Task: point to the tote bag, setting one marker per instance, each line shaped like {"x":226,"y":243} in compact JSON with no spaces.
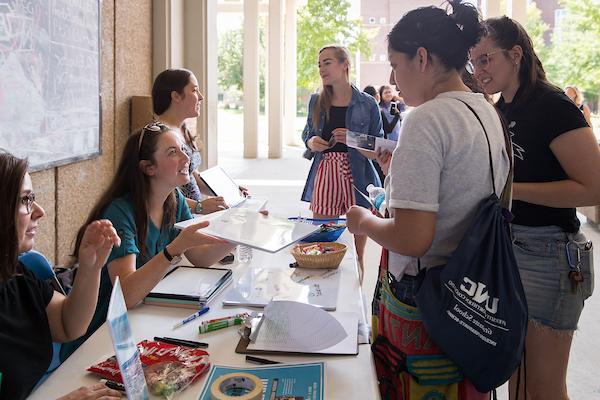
{"x":474,"y":307}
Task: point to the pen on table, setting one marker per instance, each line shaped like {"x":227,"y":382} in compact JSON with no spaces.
{"x":191,"y":317}
{"x":113,"y":385}
{"x":181,"y":342}
{"x":220,"y":323}
{"x":258,"y":360}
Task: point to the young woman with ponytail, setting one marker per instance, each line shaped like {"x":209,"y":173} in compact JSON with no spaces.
{"x":438,"y":175}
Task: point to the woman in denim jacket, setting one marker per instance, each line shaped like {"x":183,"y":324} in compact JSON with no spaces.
{"x":336,"y":168}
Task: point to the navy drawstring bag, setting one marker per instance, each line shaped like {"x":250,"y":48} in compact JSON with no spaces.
{"x":474,"y":307}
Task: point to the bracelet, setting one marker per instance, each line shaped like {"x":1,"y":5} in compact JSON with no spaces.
{"x":198,"y":208}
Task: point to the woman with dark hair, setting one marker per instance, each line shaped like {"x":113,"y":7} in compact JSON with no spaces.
{"x":337,"y":169}
{"x":143,"y":203}
{"x":390,"y":112}
{"x":175,"y":98}
{"x":32,"y":313}
{"x":556,"y":166}
{"x":438,"y":175}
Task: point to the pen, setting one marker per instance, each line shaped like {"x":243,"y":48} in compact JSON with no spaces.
{"x":191,"y":317}
{"x":258,"y":360}
{"x":113,"y":385}
{"x":220,"y":323}
{"x":181,"y":342}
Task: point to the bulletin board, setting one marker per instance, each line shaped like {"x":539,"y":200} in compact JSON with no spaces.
{"x":50,"y":80}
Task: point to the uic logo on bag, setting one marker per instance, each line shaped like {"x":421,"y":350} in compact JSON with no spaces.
{"x":476,"y":291}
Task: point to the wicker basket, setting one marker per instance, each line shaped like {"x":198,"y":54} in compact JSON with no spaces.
{"x":328,"y":260}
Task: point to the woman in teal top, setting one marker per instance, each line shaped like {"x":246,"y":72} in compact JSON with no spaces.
{"x":143,"y":203}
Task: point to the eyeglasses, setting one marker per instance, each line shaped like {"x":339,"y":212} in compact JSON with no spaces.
{"x":28,"y":201}
{"x":481,"y":62}
{"x":153,"y":127}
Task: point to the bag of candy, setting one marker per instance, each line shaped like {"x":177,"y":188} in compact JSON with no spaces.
{"x":168,"y":368}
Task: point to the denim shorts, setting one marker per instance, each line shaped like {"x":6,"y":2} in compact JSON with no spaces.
{"x":544,"y":266}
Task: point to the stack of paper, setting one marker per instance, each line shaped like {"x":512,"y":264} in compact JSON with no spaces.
{"x":189,"y":287}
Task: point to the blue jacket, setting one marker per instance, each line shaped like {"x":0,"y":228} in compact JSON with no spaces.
{"x":363,"y":116}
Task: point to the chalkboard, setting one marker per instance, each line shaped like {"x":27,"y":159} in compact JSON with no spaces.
{"x":50,"y":80}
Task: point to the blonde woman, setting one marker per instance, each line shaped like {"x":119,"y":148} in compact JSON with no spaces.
{"x":576,"y":97}
{"x":336,"y":168}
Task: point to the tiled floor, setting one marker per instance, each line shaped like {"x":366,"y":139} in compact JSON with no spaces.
{"x":282,"y":180}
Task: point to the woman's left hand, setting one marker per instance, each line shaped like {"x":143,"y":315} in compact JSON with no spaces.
{"x":96,"y":244}
{"x":355,"y":216}
{"x":339,"y":134}
{"x":244,"y":191}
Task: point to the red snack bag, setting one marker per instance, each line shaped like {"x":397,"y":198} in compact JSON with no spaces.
{"x":168,"y":368}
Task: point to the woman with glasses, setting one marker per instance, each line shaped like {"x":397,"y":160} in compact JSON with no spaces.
{"x":338,"y":169}
{"x":32,"y":313}
{"x":438,"y":175}
{"x":556,"y":166}
{"x":175,"y":98}
{"x":143,"y":203}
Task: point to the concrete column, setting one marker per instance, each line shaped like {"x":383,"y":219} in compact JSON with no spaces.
{"x":291,"y":136}
{"x":167,"y":35}
{"x":251,"y":78}
{"x":275,"y":105}
{"x":200,"y":56}
{"x":517,"y":10}
{"x":491,"y":8}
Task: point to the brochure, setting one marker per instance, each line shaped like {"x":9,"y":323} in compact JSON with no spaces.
{"x":126,"y":351}
{"x":304,"y":381}
{"x":368,"y":142}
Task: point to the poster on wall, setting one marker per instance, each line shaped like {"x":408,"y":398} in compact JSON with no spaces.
{"x":50,"y":80}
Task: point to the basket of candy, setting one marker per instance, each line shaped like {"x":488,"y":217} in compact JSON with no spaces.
{"x":319,"y":254}
{"x":329,"y":230}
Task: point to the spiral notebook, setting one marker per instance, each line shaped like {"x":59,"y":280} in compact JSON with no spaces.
{"x":189,"y":287}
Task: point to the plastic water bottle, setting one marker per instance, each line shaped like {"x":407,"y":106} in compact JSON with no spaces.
{"x":244,"y":253}
{"x":377,"y":196}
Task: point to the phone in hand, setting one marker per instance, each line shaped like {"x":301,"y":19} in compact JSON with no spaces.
{"x":393,"y":108}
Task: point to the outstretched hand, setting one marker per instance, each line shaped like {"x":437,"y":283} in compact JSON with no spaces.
{"x":94,"y":392}
{"x":96,"y":244}
{"x":355,"y":217}
{"x":192,"y":236}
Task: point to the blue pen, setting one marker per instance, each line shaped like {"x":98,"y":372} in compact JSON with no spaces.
{"x":191,"y":317}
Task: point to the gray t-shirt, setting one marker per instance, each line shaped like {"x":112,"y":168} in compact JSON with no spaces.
{"x":441,"y":165}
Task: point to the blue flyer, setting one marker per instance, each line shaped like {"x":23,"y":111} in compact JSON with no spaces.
{"x":277,"y":382}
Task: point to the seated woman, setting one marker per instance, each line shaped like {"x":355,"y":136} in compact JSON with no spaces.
{"x":175,"y":98}
{"x":143,"y":203}
{"x":32,"y":314}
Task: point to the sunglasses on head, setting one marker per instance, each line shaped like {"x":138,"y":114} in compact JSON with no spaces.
{"x":153,"y":127}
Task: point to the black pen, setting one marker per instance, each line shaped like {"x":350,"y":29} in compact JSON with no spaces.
{"x":258,"y":360}
{"x":181,"y":342}
{"x":113,"y":385}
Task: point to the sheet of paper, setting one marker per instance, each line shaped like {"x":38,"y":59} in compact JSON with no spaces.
{"x":268,"y":233}
{"x":126,"y":350}
{"x":290,"y":326}
{"x":258,"y":286}
{"x":368,"y":142}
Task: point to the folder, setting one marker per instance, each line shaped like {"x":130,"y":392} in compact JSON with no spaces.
{"x":189,"y":287}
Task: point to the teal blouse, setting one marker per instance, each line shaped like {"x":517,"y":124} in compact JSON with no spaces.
{"x":120,"y":213}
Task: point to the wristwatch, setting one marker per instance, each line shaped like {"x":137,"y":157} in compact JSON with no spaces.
{"x":171,"y":259}
{"x":198,"y":208}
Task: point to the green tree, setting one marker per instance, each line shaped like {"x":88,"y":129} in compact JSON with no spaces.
{"x":230,"y":59}
{"x":536,"y":28}
{"x":575,"y":54}
{"x":323,"y":22}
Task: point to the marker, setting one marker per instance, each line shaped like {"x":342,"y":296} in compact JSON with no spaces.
{"x":220,"y":323}
{"x":191,"y":317}
{"x":113,"y":385}
{"x":181,"y":342}
{"x":262,"y":361}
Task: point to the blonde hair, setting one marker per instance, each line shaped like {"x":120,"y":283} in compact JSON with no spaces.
{"x":324,"y":100}
{"x":578,"y":100}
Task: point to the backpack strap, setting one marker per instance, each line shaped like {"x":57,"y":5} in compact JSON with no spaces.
{"x":506,"y":195}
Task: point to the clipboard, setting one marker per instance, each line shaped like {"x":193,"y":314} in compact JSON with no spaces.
{"x":347,"y":347}
{"x":221,"y":184}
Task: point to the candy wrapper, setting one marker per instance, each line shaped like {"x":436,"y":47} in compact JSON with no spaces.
{"x":168,"y":368}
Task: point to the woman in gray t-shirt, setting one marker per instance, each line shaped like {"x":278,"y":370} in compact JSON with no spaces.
{"x":438,"y":175}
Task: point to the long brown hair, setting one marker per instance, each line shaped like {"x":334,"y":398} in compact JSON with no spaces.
{"x":172,"y":80}
{"x":130,"y":180}
{"x":507,"y":33}
{"x":12,"y":173}
{"x":324,"y":100}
